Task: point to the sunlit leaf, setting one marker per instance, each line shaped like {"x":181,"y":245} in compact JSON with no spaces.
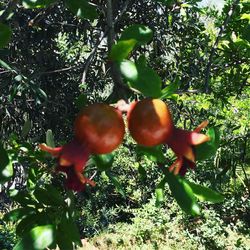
{"x":142,"y":78}
{"x":30,"y":4}
{"x":183,"y":194}
{"x":206,"y":194}
{"x":141,"y":33}
{"x":171,"y":89}
{"x":82,"y":9}
{"x":122,"y":49}
{"x":38,"y":238}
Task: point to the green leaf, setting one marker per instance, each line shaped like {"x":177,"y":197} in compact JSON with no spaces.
{"x":55,"y":194}
{"x":38,"y":238}
{"x":63,"y":240}
{"x":159,"y":192}
{"x":49,"y":196}
{"x":5,"y":35}
{"x":31,"y":221}
{"x":171,"y":89}
{"x":245,"y":16}
{"x":18,"y":214}
{"x":30,"y":4}
{"x":142,"y":60}
{"x":41,"y":93}
{"x":142,"y":172}
{"x":116,"y":183}
{"x":128,"y":70}
{"x":5,"y":65}
{"x":142,"y":78}
{"x":152,"y":153}
{"x":122,"y":49}
{"x":26,"y":128}
{"x":205,"y":194}
{"x":50,"y":138}
{"x":142,"y":34}
{"x":82,"y":9}
{"x":32,"y":178}
{"x":69,"y":228}
{"x":23,"y":197}
{"x":183,"y":194}
{"x":103,"y":162}
{"x":208,"y":149}
{"x":6,"y":168}
{"x":81,"y":101}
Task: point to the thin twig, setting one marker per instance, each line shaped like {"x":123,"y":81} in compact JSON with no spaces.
{"x":108,"y":32}
{"x":56,"y":71}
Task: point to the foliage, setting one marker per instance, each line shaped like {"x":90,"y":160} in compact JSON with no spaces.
{"x":57,"y":56}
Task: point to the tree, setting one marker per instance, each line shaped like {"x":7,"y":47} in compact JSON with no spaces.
{"x":58,"y":56}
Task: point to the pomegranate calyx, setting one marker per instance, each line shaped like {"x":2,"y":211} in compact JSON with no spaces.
{"x":183,"y":142}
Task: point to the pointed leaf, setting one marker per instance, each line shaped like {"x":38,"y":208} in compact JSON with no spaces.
{"x":5,"y":65}
{"x":183,"y":194}
{"x":206,"y":194}
{"x":116,"y":183}
{"x":171,"y":89}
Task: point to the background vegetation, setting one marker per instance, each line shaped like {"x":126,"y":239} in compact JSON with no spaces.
{"x":59,"y":59}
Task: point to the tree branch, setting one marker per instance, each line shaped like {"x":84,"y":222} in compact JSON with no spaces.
{"x":222,"y":29}
{"x":109,"y":32}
